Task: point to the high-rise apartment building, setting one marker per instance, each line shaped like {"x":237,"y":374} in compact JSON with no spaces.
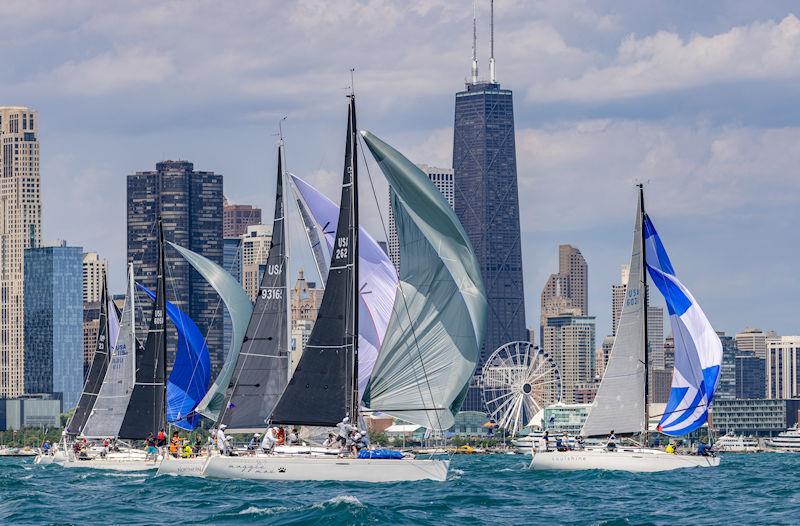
{"x":232,"y":262}
{"x":726,"y":386}
{"x":20,"y":229}
{"x":655,"y":337}
{"x":190,"y":205}
{"x":751,"y":377}
{"x":754,"y":340}
{"x":568,"y":290}
{"x":570,"y":340}
{"x":255,"y":249}
{"x":486,"y":202}
{"x":442,"y":179}
{"x":783,"y":367}
{"x":236,"y":219}
{"x":94,"y":270}
{"x":618,"y":297}
{"x":91,"y":328}
{"x":54,"y":321}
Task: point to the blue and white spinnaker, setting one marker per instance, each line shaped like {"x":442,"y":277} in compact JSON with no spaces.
{"x":698,"y":350}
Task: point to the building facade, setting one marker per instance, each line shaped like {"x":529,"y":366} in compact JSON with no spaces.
{"x":232,"y":262}
{"x":726,"y":386}
{"x":570,"y":340}
{"x":42,"y":411}
{"x":236,"y":218}
{"x":54,"y":322}
{"x":782,"y":367}
{"x":442,"y":179}
{"x":567,"y":291}
{"x":94,"y":270}
{"x":255,"y":249}
{"x":190,"y":205}
{"x":20,"y":229}
{"x":91,"y":328}
{"x":486,"y":202}
{"x":618,"y":297}
{"x":755,"y":417}
{"x":754,"y":340}
{"x":751,"y":379}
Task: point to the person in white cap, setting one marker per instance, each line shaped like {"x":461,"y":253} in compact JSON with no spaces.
{"x":222,"y":441}
{"x":251,"y":446}
{"x":270,"y":439}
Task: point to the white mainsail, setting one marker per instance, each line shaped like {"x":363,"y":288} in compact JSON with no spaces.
{"x":619,"y":404}
{"x":115,"y":393}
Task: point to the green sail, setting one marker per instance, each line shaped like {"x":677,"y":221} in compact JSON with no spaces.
{"x":433,"y":341}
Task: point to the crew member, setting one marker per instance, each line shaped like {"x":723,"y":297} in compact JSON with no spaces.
{"x":223,"y":444}
{"x":612,"y":441}
{"x":270,"y":439}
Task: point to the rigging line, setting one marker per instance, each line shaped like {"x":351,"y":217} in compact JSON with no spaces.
{"x":403,"y":294}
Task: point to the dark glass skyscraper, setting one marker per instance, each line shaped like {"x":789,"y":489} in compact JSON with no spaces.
{"x":487,"y":203}
{"x":190,"y":204}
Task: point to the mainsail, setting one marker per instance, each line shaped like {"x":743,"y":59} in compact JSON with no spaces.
{"x":323,"y":388}
{"x":146,"y":408}
{"x":109,"y":408}
{"x":619,"y":404}
{"x":378,"y":277}
{"x":262,"y":369}
{"x":239,"y":307}
{"x":107,"y":332}
{"x":698,"y":350}
{"x":191,"y":373}
{"x":439,"y":315}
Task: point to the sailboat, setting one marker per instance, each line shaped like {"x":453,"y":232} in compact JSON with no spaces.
{"x":107,"y":333}
{"x":621,"y":403}
{"x":437,"y":320}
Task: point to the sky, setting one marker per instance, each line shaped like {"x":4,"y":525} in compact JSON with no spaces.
{"x":698,"y":100}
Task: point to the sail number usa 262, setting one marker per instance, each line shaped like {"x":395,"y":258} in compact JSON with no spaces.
{"x":341,"y":247}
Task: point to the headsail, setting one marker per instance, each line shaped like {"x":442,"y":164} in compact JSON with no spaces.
{"x":378,"y":277}
{"x":146,"y":408}
{"x":698,"y":350}
{"x":191,"y":373}
{"x":262,"y":369}
{"x":239,"y":308}
{"x":107,"y":332}
{"x":439,"y":316}
{"x":322,"y":388}
{"x":619,"y":404}
{"x":108,"y":411}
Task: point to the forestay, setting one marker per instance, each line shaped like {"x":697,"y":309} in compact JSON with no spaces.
{"x":619,"y":404}
{"x":109,"y":409}
{"x":239,"y":307}
{"x":698,"y":350}
{"x":438,"y":318}
{"x":377,"y":276}
{"x":191,"y":373}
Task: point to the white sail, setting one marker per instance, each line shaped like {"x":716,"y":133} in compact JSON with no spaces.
{"x":619,"y":404}
{"x":112,"y":400}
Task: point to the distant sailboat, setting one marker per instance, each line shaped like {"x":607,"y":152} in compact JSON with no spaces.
{"x":621,"y":402}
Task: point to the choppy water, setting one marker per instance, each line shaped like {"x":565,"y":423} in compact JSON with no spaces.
{"x":745,"y":489}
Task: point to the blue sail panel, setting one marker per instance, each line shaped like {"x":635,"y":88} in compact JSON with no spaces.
{"x":698,"y":350}
{"x":191,"y":373}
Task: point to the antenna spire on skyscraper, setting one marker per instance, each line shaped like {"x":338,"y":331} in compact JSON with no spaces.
{"x":474,"y":42}
{"x":491,"y":42}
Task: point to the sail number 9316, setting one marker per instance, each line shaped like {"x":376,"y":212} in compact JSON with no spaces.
{"x":272,"y":294}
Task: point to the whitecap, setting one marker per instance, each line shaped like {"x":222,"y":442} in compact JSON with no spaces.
{"x":343,"y":499}
{"x":253,"y":510}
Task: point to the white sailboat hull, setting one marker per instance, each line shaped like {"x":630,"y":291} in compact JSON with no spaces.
{"x":45,"y":460}
{"x":280,"y":467}
{"x":637,"y":460}
{"x":183,"y":467}
{"x":133,"y":460}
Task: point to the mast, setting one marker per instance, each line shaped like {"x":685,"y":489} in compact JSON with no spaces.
{"x":491,"y":42}
{"x":644,"y":317}
{"x":474,"y":42}
{"x":161,"y":303}
{"x":285,"y":231}
{"x":354,"y":231}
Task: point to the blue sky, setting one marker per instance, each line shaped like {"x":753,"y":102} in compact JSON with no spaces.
{"x":699,"y":100}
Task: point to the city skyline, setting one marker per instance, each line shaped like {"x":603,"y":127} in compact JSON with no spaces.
{"x":717,"y":180}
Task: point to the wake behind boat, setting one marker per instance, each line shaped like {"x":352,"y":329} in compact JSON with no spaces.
{"x":621,"y":403}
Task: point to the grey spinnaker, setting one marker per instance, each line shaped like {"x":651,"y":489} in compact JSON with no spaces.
{"x":239,"y":307}
{"x":434,"y":337}
{"x":262,"y":369}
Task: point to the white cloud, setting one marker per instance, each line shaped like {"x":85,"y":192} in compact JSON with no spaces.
{"x":665,"y":62}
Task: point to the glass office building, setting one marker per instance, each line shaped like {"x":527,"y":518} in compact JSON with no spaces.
{"x":54,"y":322}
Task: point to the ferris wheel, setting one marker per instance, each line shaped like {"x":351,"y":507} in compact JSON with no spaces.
{"x":519,"y":380}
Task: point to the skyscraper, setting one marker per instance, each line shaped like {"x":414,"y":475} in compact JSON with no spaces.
{"x":567,"y":290}
{"x":487,"y":204}
{"x":754,"y":340}
{"x":54,"y":321}
{"x":236,"y":218}
{"x":94,"y":270}
{"x":783,"y":367}
{"x":442,"y":179}
{"x":20,"y":229}
{"x":255,"y":249}
{"x":618,"y":297}
{"x":570,"y":340}
{"x":190,"y":204}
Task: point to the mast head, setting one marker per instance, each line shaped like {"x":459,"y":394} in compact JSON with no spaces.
{"x":474,"y":42}
{"x":491,"y":42}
